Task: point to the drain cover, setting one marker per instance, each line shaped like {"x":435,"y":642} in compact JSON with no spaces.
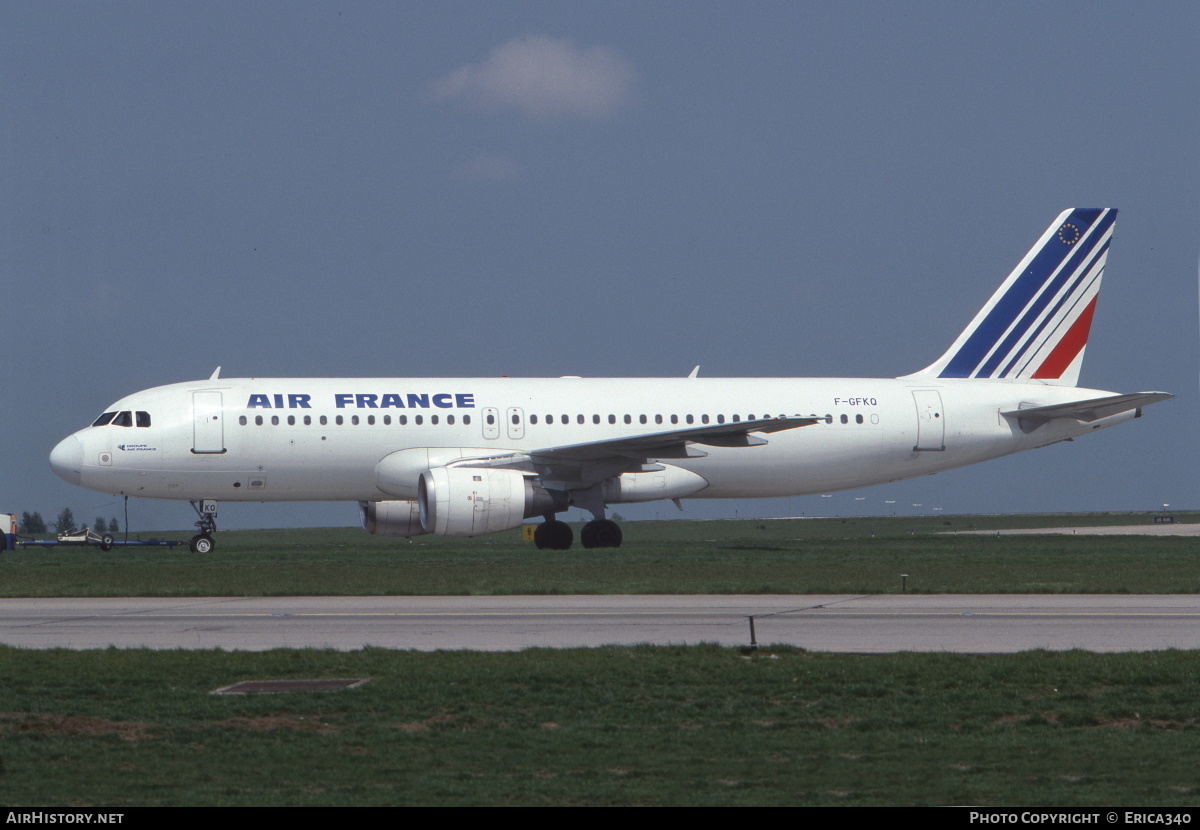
{"x":248,"y":687}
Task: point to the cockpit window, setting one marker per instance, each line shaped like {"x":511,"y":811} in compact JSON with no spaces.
{"x":104,"y":419}
{"x":124,"y":419}
{"x":143,"y":419}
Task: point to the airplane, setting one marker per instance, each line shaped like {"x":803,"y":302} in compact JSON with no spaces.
{"x":475,"y":456}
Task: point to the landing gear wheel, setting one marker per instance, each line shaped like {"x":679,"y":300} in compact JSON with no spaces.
{"x":602,"y":533}
{"x":106,"y":543}
{"x":202,"y":543}
{"x":554,"y":535}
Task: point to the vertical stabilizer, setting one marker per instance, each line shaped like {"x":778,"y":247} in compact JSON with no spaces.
{"x":1035,"y":327}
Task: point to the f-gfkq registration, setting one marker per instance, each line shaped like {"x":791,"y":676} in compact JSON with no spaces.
{"x":464,"y":457}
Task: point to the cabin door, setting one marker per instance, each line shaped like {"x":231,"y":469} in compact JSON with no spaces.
{"x":931,"y":421}
{"x":208,"y":431}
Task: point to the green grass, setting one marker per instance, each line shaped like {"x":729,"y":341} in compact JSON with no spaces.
{"x":865,"y":555}
{"x":610,"y":726}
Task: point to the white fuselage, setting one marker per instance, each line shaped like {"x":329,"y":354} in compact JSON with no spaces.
{"x":324,"y":439}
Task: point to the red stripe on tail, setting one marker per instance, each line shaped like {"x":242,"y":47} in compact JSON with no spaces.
{"x":1069,"y":347}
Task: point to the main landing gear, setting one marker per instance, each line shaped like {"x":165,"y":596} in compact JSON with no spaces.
{"x":553,"y":535}
{"x":601,"y":533}
{"x":598,"y":533}
{"x":203,"y":541}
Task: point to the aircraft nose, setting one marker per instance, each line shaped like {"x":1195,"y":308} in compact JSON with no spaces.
{"x":66,"y":459}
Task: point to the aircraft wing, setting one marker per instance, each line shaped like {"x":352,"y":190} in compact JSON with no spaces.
{"x":629,"y":451}
{"x":674,"y":443}
{"x":1089,"y":410}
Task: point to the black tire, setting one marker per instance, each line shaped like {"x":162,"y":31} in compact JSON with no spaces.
{"x":203,"y":543}
{"x":602,"y":533}
{"x":106,"y":543}
{"x":554,"y":535}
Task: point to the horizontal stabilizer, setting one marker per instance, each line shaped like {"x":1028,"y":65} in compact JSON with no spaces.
{"x":1089,"y":410}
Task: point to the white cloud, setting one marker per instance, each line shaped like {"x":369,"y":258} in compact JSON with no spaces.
{"x":544,"y":77}
{"x":486,"y":167}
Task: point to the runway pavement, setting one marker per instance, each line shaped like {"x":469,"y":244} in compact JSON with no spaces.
{"x":840,"y":623}
{"x":1163,"y":529}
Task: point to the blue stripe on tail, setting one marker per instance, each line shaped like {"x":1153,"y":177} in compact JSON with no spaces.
{"x":1045,"y":273}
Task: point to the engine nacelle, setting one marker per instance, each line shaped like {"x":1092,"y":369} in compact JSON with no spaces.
{"x":670,"y":482}
{"x":399,"y":474}
{"x":470,"y":501}
{"x":391,"y":518}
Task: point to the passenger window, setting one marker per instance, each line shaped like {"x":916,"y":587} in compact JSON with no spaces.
{"x":579,"y":419}
{"x":674,"y":419}
{"x":242,"y":420}
{"x":858,"y":419}
{"x":720,"y":419}
{"x":845,"y":420}
{"x":612,"y":419}
{"x":370,"y":420}
{"x":339,"y":420}
{"x":641,"y":419}
{"x":628,"y":419}
{"x":274,"y":420}
{"x":433,"y":419}
{"x":402,"y":420}
{"x":308,"y":420}
{"x":104,"y":419}
{"x":595,"y":419}
{"x":533,"y":419}
{"x":450,"y":419}
{"x":467,"y":420}
{"x":291,"y":420}
{"x":704,"y":419}
{"x":418,"y":420}
{"x":258,"y":420}
{"x":324,"y":420}
{"x":691,"y":419}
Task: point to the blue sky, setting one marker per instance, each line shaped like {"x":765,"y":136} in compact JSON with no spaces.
{"x":628,"y":189}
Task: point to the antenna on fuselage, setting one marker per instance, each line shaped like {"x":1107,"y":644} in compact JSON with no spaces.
{"x":694,"y":373}
{"x":216,"y":375}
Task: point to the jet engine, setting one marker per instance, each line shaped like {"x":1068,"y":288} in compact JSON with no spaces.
{"x":470,"y":501}
{"x":390,"y":518}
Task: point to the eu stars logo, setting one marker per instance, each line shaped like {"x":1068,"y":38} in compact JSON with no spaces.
{"x":1068,"y":234}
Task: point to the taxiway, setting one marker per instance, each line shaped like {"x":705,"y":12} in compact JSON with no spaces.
{"x":836,"y":623}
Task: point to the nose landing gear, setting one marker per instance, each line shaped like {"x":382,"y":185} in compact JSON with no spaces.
{"x":203,"y":541}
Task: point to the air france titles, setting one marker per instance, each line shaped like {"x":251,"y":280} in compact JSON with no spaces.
{"x":367,"y":400}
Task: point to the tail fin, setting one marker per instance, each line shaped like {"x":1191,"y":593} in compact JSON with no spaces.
{"x":1036,"y":325}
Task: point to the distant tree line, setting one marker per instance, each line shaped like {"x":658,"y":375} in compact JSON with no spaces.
{"x":32,"y":524}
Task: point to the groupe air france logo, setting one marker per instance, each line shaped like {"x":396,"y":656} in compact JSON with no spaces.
{"x":1068,"y":234}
